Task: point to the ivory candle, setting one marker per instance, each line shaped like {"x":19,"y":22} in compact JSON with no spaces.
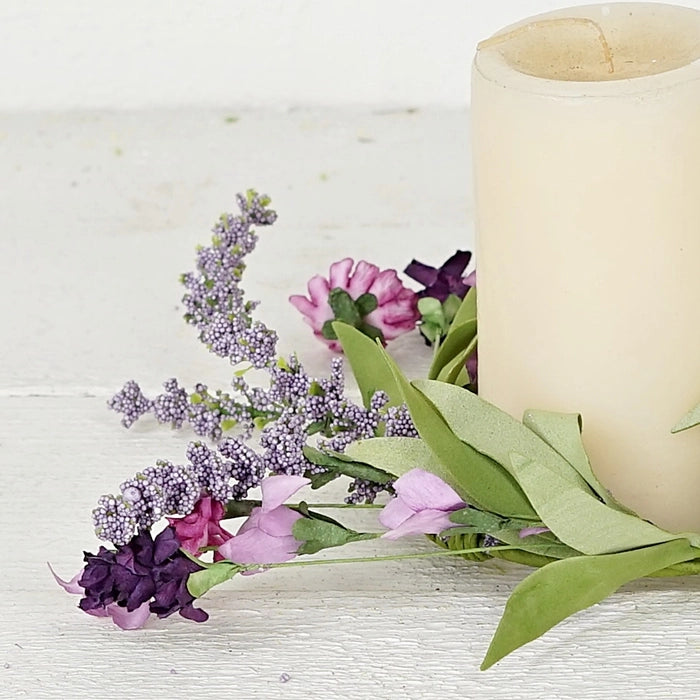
{"x":586,"y":132}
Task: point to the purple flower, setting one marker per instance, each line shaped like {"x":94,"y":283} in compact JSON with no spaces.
{"x":142,"y":577}
{"x":374,"y":301}
{"x":202,"y":527}
{"x":266,"y":536}
{"x":448,"y":279}
{"x":422,"y":505}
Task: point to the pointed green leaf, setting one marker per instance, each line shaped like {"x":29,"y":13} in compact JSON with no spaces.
{"x":492,"y":432}
{"x":456,"y":367}
{"x":367,"y":362}
{"x":347,"y":467}
{"x":560,"y":589}
{"x":578,"y":518}
{"x":563,"y":432}
{"x":476,"y":477}
{"x":200,"y":582}
{"x":485,"y":522}
{"x":467,"y":309}
{"x":397,"y":455}
{"x":689,"y":420}
{"x":321,"y":534}
{"x":456,"y":342}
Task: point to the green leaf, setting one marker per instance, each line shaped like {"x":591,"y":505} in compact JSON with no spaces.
{"x":367,"y":362}
{"x":396,"y":455}
{"x":578,"y":518}
{"x":366,"y":303}
{"x":320,"y":479}
{"x":467,"y":309}
{"x":563,"y":432}
{"x":200,"y":582}
{"x":321,"y":534}
{"x":458,"y":339}
{"x":347,"y":467}
{"x":455,"y":369}
{"x":431,"y":311}
{"x":343,"y":306}
{"x":327,"y":330}
{"x":560,"y":589}
{"x":546,"y":544}
{"x":476,"y":477}
{"x":483,"y":522}
{"x":451,"y":306}
{"x":492,"y":432}
{"x":689,"y":420}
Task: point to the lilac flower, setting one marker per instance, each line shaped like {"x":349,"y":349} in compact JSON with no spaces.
{"x":142,"y":577}
{"x":448,"y":279}
{"x":373,"y":301}
{"x":215,"y":303}
{"x":266,"y":536}
{"x":422,"y":505}
{"x":131,"y":402}
{"x":202,"y":527}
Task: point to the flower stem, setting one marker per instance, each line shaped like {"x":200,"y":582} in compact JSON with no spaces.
{"x":391,"y":557}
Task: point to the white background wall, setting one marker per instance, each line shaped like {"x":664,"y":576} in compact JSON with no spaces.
{"x":62,"y":54}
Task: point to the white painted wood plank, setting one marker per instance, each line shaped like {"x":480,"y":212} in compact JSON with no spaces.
{"x":88,"y":275}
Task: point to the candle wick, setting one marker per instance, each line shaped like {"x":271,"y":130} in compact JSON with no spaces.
{"x":501,"y":38}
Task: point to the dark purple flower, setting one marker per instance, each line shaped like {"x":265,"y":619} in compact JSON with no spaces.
{"x":448,"y":279}
{"x":143,"y":571}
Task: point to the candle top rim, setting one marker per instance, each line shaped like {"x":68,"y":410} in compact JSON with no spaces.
{"x":608,"y":49}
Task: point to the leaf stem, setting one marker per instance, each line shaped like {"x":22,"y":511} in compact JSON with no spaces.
{"x":391,"y":557}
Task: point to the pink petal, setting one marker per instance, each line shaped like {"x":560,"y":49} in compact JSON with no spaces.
{"x":277,"y":489}
{"x":257,"y":547}
{"x":527,"y":531}
{"x":71,"y":586}
{"x":422,"y":490}
{"x":470,"y":279}
{"x":318,"y":290}
{"x":253,"y":521}
{"x":386,"y":286}
{"x":426,"y":522}
{"x":394,"y":513}
{"x":279,"y":522}
{"x":362,"y":279}
{"x":339,"y":273}
{"x":128,"y":620}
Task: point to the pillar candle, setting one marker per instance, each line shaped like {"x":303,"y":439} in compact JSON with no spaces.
{"x":586,"y":141}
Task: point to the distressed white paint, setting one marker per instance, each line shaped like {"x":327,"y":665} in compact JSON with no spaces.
{"x":90,"y":248}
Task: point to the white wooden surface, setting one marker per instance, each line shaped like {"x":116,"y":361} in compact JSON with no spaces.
{"x":99,"y":214}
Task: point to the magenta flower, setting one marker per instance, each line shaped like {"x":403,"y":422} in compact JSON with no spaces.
{"x":201,"y":528}
{"x":373,"y":301}
{"x":422,"y":505}
{"x":266,"y":536}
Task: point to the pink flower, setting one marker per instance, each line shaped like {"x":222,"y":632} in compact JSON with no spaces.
{"x":382,"y":306}
{"x":201,"y":528}
{"x":422,"y":505}
{"x":120,"y":615}
{"x":266,"y":536}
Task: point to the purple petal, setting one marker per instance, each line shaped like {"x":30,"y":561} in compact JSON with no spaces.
{"x":425,"y":274}
{"x":128,"y":620}
{"x":277,"y":489}
{"x":394,"y":513}
{"x":470,"y":279}
{"x":257,"y":547}
{"x":422,"y":490}
{"x":455,"y":265}
{"x":427,"y":522}
{"x":527,"y":531}
{"x":71,"y":586}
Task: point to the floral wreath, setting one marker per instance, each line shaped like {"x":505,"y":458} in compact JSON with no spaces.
{"x":444,"y":462}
